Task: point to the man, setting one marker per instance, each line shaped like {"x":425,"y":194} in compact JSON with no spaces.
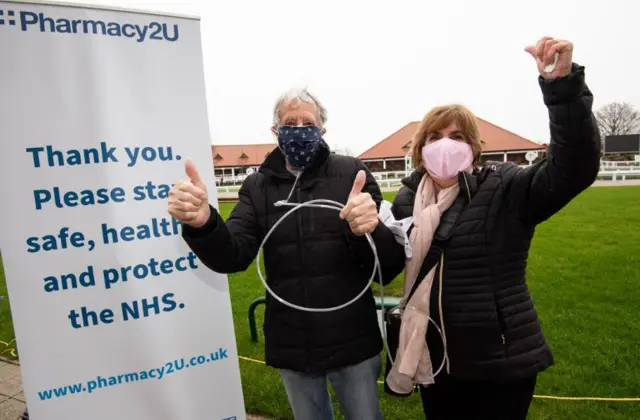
{"x":315,"y":258}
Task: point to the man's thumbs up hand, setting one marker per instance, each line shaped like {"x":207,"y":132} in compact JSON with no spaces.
{"x":193,"y":174}
{"x":188,"y":200}
{"x":358,"y":184}
{"x":361,"y":211}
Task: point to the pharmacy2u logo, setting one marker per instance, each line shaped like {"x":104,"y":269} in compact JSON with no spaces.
{"x":9,"y":18}
{"x":29,"y":21}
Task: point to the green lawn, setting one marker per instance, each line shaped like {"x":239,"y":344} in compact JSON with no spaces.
{"x":585,"y":279}
{"x":7,"y":346}
{"x":584,"y":276}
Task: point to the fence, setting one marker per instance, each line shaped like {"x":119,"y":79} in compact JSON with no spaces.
{"x":609,"y":171}
{"x":392,"y":184}
{"x":619,"y":175}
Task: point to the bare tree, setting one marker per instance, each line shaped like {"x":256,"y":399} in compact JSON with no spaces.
{"x":618,"y":118}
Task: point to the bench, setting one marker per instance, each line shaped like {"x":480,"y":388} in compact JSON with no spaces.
{"x":389,"y":303}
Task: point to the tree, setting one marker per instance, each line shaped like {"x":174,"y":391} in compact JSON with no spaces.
{"x":618,"y":118}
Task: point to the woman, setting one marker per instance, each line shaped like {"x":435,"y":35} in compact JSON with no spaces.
{"x":471,"y":237}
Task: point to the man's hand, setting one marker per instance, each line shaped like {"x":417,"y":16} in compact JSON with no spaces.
{"x":188,"y":200}
{"x":361,"y":211}
{"x":544,"y":53}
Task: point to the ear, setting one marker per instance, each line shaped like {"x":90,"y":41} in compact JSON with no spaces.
{"x":323,"y":131}
{"x":274,"y":131}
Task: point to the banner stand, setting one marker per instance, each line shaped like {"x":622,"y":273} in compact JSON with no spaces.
{"x":115,"y":317}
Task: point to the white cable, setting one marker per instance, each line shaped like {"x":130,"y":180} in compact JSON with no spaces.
{"x":335,"y":205}
{"x":326,"y":204}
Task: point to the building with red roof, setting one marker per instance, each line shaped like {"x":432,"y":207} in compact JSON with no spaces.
{"x":392,"y":153}
{"x":233,"y":160}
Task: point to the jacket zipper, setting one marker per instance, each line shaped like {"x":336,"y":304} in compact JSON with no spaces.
{"x":440,"y":291}
{"x":302,"y":264}
{"x":468,"y":188}
{"x":502,"y":337}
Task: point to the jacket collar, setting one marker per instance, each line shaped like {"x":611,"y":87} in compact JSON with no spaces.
{"x":413,"y":180}
{"x":275,"y":164}
{"x":468,"y":187}
{"x":468,"y":182}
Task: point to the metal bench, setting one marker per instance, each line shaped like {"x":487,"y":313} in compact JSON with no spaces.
{"x":389,"y":303}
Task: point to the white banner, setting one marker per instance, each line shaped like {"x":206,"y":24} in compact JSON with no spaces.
{"x":115,"y":318}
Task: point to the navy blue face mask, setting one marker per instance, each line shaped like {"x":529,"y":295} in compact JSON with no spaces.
{"x":300,"y":145}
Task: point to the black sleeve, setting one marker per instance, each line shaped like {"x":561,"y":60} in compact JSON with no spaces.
{"x":390,"y":252}
{"x":231,"y":246}
{"x":573,"y":159}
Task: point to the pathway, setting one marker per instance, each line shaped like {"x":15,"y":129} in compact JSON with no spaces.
{"x":12,"y":401}
{"x":11,"y":396}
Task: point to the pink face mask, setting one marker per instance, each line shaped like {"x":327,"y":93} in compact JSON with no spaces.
{"x":444,"y":158}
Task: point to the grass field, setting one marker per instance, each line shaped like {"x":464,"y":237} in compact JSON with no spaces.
{"x":584,"y":273}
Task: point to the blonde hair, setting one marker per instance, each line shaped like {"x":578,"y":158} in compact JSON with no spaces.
{"x":440,"y":118}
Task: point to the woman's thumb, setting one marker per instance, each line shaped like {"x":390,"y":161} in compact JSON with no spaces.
{"x":531,"y":49}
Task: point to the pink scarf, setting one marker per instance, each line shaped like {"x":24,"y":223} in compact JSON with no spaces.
{"x":413,"y":363}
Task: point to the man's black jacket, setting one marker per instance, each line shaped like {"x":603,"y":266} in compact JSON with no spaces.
{"x":312,"y":259}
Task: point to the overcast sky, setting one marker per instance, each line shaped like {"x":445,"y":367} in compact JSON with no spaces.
{"x":378,"y":65}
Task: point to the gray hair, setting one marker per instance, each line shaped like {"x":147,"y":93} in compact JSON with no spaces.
{"x":302,"y":95}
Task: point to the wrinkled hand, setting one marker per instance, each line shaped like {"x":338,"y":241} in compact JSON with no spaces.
{"x":544,"y":53}
{"x":361,"y":211}
{"x":188,"y":200}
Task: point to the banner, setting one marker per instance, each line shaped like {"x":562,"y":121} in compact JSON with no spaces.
{"x":115,"y":318}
